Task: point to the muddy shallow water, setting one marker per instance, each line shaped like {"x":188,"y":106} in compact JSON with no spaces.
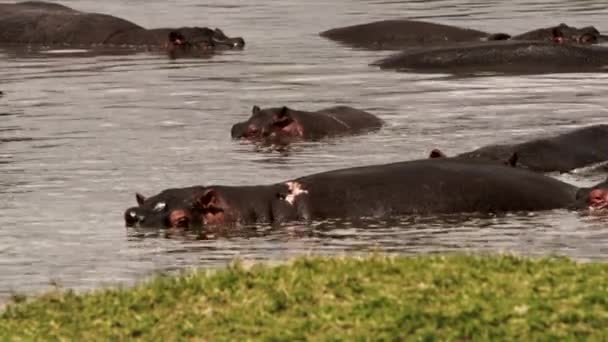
{"x":80,"y":134}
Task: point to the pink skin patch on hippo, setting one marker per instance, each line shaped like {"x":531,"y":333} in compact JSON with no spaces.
{"x":214,"y":218}
{"x":292,"y":129}
{"x":294,"y":189}
{"x":180,"y":218}
{"x":598,"y":200}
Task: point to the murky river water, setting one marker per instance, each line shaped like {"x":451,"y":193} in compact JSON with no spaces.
{"x":79,"y":135}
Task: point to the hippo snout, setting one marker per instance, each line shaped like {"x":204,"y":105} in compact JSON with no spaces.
{"x":231,"y":43}
{"x":133,"y":217}
{"x":238,"y":130}
{"x":238,"y":43}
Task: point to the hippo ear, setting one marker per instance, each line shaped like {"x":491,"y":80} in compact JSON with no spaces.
{"x":588,"y":38}
{"x":512,"y":161}
{"x":140,"y":198}
{"x":282,"y":118}
{"x":436,"y":153}
{"x":208,"y":199}
{"x":255,"y":110}
{"x":557,"y":32}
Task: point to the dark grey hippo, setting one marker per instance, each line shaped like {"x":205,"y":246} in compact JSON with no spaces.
{"x":562,"y":153}
{"x":511,"y":56}
{"x":165,"y":209}
{"x":50,"y":24}
{"x":400,"y":34}
{"x":561,"y":33}
{"x":284,"y":124}
{"x":419,"y":187}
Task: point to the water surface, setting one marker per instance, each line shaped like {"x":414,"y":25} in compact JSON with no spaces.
{"x":80,"y":134}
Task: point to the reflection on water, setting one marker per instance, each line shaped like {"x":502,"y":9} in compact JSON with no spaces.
{"x":79,"y":134}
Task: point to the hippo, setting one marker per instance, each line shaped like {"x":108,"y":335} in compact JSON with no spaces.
{"x":560,"y":34}
{"x":511,"y":56}
{"x":561,"y":153}
{"x":284,"y":124}
{"x":50,"y":24}
{"x":164,"y":209}
{"x":418,"y":187}
{"x":399,"y":34}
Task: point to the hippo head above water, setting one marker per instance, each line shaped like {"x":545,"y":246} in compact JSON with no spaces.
{"x":598,"y":201}
{"x":559,"y":34}
{"x":268,"y":123}
{"x":170,"y":208}
{"x":196,"y":38}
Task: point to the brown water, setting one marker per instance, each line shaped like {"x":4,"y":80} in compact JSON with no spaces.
{"x":79,"y":135}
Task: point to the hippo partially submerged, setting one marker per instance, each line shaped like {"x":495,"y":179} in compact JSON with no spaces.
{"x":561,"y":153}
{"x":284,"y":124}
{"x":399,"y":34}
{"x":50,"y":24}
{"x":521,"y":57}
{"x":419,"y":187}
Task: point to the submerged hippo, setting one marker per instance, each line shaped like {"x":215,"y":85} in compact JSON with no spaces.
{"x":500,"y":56}
{"x":165,"y":209}
{"x":400,"y":34}
{"x":564,"y":152}
{"x":419,"y":187}
{"x":49,"y":24}
{"x":283,"y":124}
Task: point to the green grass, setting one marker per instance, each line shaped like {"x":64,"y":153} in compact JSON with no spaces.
{"x":371,"y":298}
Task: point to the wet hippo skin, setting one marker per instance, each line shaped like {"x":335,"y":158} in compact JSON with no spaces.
{"x":44,"y":23}
{"x":420,"y":187}
{"x":521,"y":57}
{"x":160,"y":210}
{"x":399,"y":34}
{"x":564,"y":152}
{"x":284,"y":124}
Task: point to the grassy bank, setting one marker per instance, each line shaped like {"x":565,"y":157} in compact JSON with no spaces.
{"x":456,"y":297}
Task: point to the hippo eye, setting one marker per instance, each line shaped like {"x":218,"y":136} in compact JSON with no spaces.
{"x":132,"y":214}
{"x":159,"y":206}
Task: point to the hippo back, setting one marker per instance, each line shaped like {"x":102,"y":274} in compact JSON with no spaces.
{"x":400,"y":33}
{"x":432,"y":186}
{"x":50,"y":24}
{"x":500,"y":56}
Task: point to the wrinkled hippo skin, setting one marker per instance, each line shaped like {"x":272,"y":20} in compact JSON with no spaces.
{"x":400,"y":34}
{"x":283,"y":124}
{"x":420,"y":187}
{"x":42,"y":23}
{"x":562,"y":153}
{"x":164,"y":209}
{"x":519,"y":57}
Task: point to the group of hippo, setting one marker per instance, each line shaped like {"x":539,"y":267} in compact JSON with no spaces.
{"x":430,"y":47}
{"x":426,"y":47}
{"x":492,"y":179}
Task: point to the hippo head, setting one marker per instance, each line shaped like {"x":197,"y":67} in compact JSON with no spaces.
{"x":271,"y":123}
{"x":568,"y":34}
{"x":219,"y":39}
{"x":196,"y":39}
{"x":169,"y":209}
{"x":598,"y":200}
